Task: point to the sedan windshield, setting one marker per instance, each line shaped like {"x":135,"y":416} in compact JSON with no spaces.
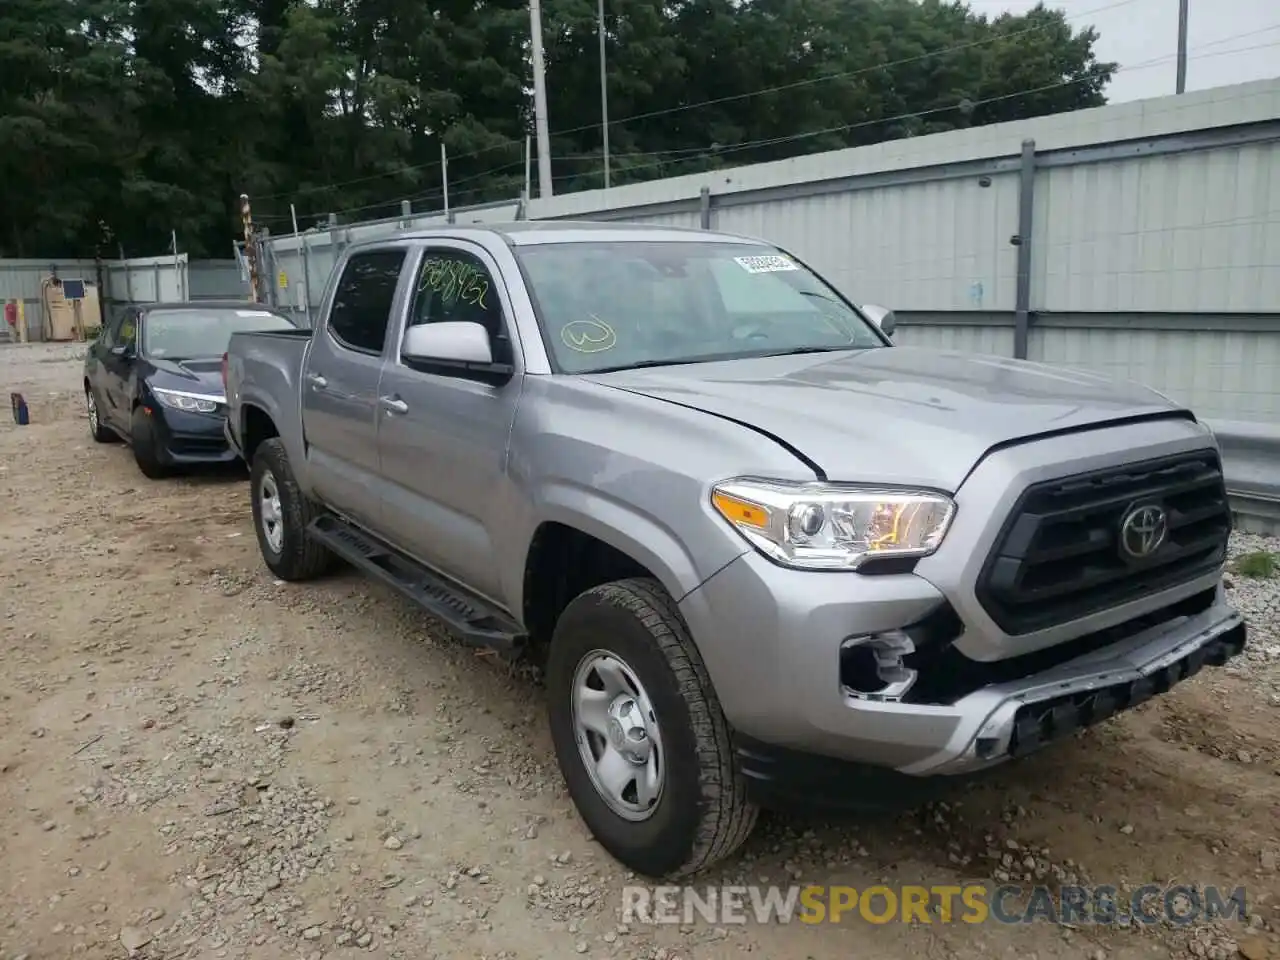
{"x":194,"y":333}
{"x":617,"y":305}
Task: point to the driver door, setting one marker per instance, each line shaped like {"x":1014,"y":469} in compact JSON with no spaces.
{"x":442,"y":433}
{"x":118,"y":361}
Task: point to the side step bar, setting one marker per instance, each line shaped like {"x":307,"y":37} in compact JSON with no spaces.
{"x":476,"y":621}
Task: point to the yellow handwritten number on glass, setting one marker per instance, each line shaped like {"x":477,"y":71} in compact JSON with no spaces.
{"x":588,"y":336}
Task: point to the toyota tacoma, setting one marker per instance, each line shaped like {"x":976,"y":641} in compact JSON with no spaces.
{"x":762,"y":555}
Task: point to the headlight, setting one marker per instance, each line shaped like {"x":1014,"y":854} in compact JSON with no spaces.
{"x":188,"y":402}
{"x":819,"y":526}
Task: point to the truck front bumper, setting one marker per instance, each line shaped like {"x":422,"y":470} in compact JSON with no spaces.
{"x":772,"y":641}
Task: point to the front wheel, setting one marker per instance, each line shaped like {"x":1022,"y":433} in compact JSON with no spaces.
{"x":639,"y":734}
{"x":281,"y":515}
{"x":145,"y":445}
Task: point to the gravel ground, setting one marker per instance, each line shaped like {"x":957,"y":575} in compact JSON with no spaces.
{"x":199,"y":761}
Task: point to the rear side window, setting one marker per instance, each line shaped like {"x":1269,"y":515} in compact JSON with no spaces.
{"x":362,"y":302}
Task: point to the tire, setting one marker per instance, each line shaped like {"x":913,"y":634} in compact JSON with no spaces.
{"x":143,"y":435}
{"x":292,"y":554}
{"x":702,"y":813}
{"x":100,"y":433}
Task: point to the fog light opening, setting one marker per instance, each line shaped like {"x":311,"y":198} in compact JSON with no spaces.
{"x":872,"y":668}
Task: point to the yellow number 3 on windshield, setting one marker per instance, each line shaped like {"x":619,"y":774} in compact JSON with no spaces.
{"x":588,"y":336}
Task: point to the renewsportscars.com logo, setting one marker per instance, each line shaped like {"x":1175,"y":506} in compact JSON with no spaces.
{"x":968,"y":903}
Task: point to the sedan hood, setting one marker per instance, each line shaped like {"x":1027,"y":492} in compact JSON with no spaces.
{"x":193,"y":376}
{"x":898,"y":415}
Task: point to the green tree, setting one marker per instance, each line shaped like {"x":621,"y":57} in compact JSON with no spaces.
{"x":154,"y":115}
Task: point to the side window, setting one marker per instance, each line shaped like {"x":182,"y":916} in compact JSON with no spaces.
{"x":362,"y":302}
{"x":110,"y":335}
{"x":128,"y":335}
{"x":453,"y":285}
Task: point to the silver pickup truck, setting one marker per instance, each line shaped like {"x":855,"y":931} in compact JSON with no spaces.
{"x":763,"y":556}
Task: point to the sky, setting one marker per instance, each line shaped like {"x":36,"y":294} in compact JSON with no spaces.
{"x":1228,"y":41}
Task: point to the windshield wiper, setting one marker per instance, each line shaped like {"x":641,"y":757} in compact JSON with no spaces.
{"x":796,"y":351}
{"x":644,"y":364}
{"x":821,"y":296}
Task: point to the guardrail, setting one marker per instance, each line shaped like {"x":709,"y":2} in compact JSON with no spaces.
{"x":1251,"y":460}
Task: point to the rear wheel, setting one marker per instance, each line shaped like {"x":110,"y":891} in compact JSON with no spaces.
{"x":146,"y":446}
{"x":281,"y":515}
{"x":97,"y":430}
{"x":639,"y":733}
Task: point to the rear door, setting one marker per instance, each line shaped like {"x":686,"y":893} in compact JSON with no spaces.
{"x":340,"y":382}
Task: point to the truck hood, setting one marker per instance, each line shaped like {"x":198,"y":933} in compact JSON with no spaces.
{"x":898,"y":415}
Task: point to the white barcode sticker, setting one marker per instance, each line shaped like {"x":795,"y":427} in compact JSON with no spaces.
{"x":767,"y":264}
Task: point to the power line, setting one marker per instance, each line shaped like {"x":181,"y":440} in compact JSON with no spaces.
{"x":693,"y":152}
{"x":762,"y":91}
{"x":917,"y":114}
{"x":846,"y":74}
{"x":1143,"y":65}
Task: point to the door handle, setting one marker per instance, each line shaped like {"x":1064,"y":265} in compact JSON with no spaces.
{"x":317,"y":381}
{"x":393,"y":405}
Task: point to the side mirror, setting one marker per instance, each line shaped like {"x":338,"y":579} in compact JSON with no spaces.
{"x":882,"y":317}
{"x":454,"y":341}
{"x":122,"y":350}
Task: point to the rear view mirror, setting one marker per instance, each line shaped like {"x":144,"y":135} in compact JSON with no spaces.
{"x":452,"y":341}
{"x":882,"y":317}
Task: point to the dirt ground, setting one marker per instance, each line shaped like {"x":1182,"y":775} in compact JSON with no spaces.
{"x":199,"y":761}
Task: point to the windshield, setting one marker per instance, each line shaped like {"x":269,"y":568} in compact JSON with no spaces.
{"x":192,"y":333}
{"x":606,"y":306}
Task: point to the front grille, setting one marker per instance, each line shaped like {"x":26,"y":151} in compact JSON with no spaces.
{"x":1059,"y":556}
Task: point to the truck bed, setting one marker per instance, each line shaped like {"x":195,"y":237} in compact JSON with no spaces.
{"x":264,"y":368}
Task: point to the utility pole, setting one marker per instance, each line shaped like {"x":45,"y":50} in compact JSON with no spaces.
{"x":1182,"y":45}
{"x":604,"y":95}
{"x":540,"y":100}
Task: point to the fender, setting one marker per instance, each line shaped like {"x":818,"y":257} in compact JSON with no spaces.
{"x":641,"y":536}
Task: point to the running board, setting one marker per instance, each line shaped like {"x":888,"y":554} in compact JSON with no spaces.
{"x":476,"y":621}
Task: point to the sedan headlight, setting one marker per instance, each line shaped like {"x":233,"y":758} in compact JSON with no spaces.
{"x":187,"y":402}
{"x":819,"y":526}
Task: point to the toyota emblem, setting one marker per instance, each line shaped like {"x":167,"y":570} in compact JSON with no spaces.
{"x":1143,"y":530}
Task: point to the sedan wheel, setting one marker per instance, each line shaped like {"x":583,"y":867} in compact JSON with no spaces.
{"x":99,"y":433}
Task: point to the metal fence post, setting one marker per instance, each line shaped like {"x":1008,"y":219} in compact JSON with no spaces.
{"x":306,"y":278}
{"x":128,"y":277}
{"x":270,"y":270}
{"x":1022,"y":240}
{"x":335,"y":244}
